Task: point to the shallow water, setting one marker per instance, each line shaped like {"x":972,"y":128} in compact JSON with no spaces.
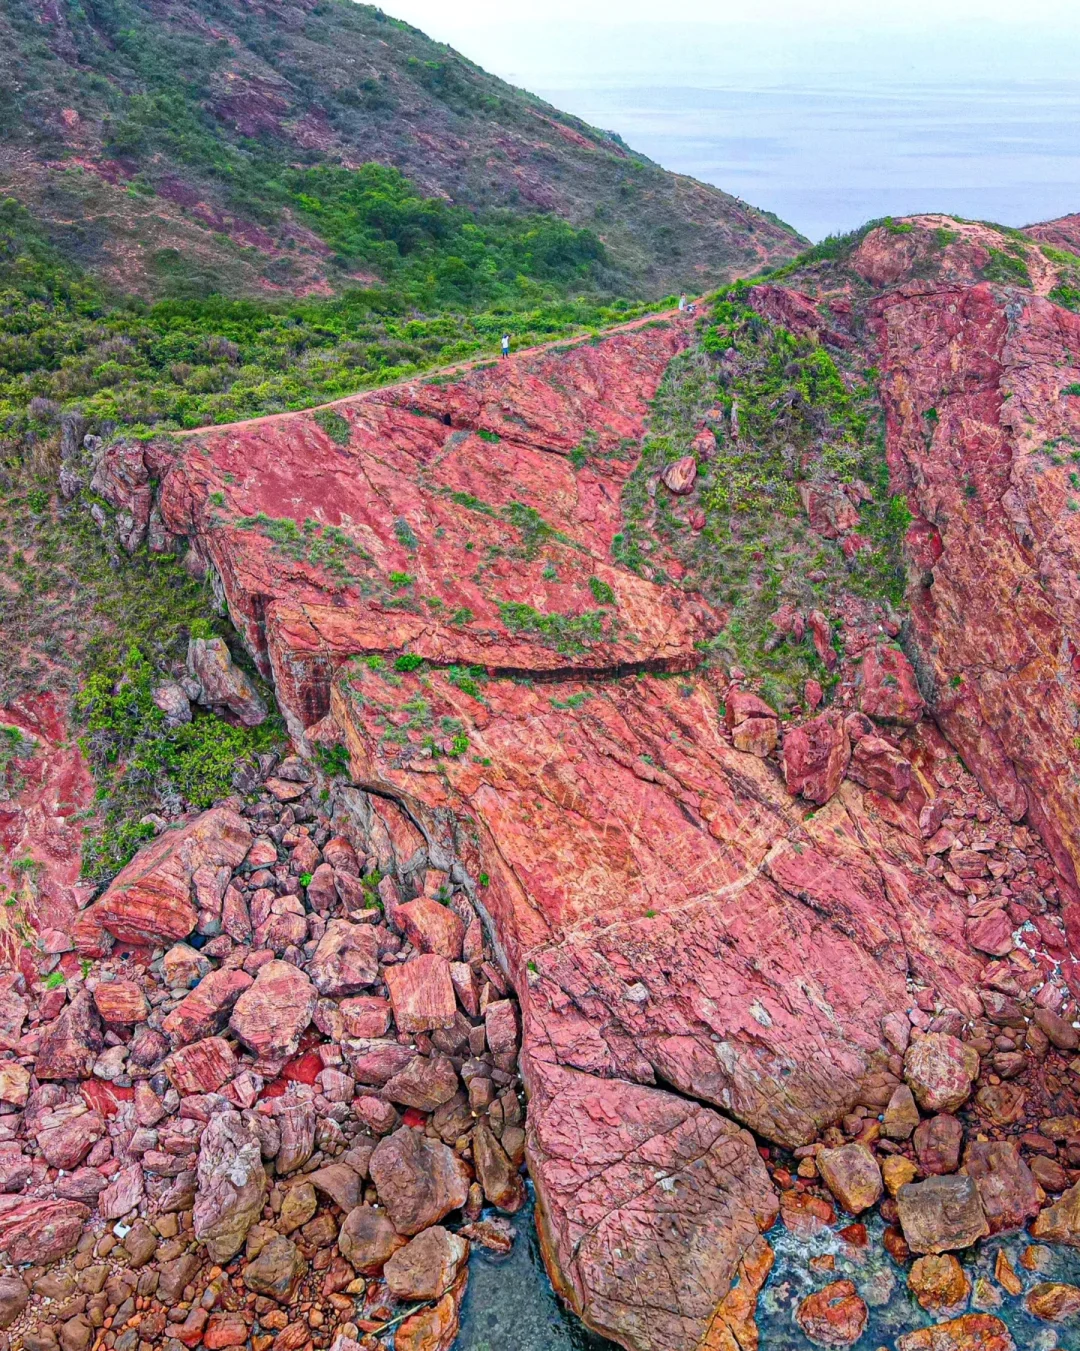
{"x":510,"y":1302}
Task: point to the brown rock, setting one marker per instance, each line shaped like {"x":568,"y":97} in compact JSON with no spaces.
{"x":939,"y":1283}
{"x":1052,"y":1301}
{"x":901,"y":1115}
{"x":425,"y":1083}
{"x":225,"y":1329}
{"x":1007,"y":1189}
{"x":897,"y":1172}
{"x":72,"y":1043}
{"x":13,"y":1299}
{"x":969,"y":1332}
{"x":149,"y":901}
{"x":1048,"y":1173}
{"x":756,"y":736}
{"x":816,"y":756}
{"x":1060,"y":1223}
{"x":500,"y":1180}
{"x":1005,"y":1274}
{"x":427,"y":1265}
{"x":65,"y":1136}
{"x":367,"y":1240}
{"x":277,"y":1270}
{"x":342,"y":1184}
{"x":418,"y":1180}
{"x":852,"y":1174}
{"x":940,"y":1070}
{"x":434,"y":1329}
{"x":270,"y":1015}
{"x":231,"y":1185}
{"x":421,"y":994}
{"x":678,"y":477}
{"x":297,"y":1207}
{"x":834,"y":1316}
{"x":123,"y":1194}
{"x":224,"y":684}
{"x":346,"y":960}
{"x":941,"y":1213}
{"x":120,"y":1002}
{"x":1060,"y":1033}
{"x":14,"y":1083}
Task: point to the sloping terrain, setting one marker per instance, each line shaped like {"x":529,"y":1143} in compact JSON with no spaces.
{"x":167,"y":143}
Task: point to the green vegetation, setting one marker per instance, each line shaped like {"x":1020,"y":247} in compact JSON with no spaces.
{"x":568,"y":634}
{"x":334,"y":425}
{"x":138,"y":762}
{"x":1008,"y":266}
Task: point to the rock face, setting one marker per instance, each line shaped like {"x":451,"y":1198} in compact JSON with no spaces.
{"x":668,"y":910}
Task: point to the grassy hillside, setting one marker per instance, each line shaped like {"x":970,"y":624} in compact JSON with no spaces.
{"x":209,"y":145}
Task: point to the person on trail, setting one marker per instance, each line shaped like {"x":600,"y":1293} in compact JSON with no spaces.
{"x":506,"y":344}
{"x":682,"y":302}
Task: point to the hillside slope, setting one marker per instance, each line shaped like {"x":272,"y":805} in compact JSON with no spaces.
{"x":174,"y":144}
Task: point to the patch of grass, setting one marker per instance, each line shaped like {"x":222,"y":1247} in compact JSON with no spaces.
{"x":336,"y":427}
{"x":569,"y":634}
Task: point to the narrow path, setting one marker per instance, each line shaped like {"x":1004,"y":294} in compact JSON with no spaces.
{"x":459,"y":368}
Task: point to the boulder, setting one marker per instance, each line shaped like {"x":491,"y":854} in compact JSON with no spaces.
{"x":418,"y":1180}
{"x":342,"y":1184}
{"x":66,"y":1135}
{"x":816,"y":756}
{"x":887,"y":688}
{"x":427,"y":1265}
{"x":13,"y":1299}
{"x":501,"y":1181}
{"x":970,"y":1332}
{"x":72,"y":1043}
{"x":204,"y":1010}
{"x":436,"y":1328}
{"x":120,"y":1002}
{"x":940,"y":1070}
{"x":124,"y":1193}
{"x":422,"y":994}
{"x":939,"y":1283}
{"x":1007,"y":1189}
{"x":1053,"y":1301}
{"x":365,"y":1015}
{"x":938,"y":1143}
{"x":878,"y":765}
{"x":223,"y":683}
{"x":1060,"y":1223}
{"x":277,"y":1270}
{"x":678,"y":477}
{"x":202,"y":1067}
{"x":431,"y":927}
{"x":852,"y":1174}
{"x":901,"y":1115}
{"x":425,"y":1083}
{"x":941,"y":1214}
{"x":272,"y":1013}
{"x":367,"y":1240}
{"x":149,"y":901}
{"x":346,"y":960}
{"x":834,"y":1316}
{"x":39,"y":1230}
{"x":231,"y":1185}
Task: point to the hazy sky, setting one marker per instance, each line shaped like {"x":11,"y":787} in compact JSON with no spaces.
{"x":828,"y":112}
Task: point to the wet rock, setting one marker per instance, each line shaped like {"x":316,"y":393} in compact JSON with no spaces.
{"x":502,"y":1184}
{"x":941,"y":1214}
{"x":346,"y":960}
{"x":939,"y":1283}
{"x":39,"y":1230}
{"x":901,"y":1115}
{"x":834,"y":1316}
{"x":224,"y":685}
{"x":1007,"y":1189}
{"x":422,"y":994}
{"x":1053,"y":1301}
{"x":896,"y":1172}
{"x":277,"y":1270}
{"x":816,"y":756}
{"x":418,"y":1180}
{"x":940,"y":1070}
{"x":149,"y":901}
{"x":434,"y":1329}
{"x":231,"y":1185}
{"x":1060,"y":1223}
{"x":938,"y":1143}
{"x":852,"y":1174}
{"x":73,"y":1042}
{"x":270,"y":1016}
{"x":1005,"y":1274}
{"x":969,"y":1332}
{"x":427,"y":1265}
